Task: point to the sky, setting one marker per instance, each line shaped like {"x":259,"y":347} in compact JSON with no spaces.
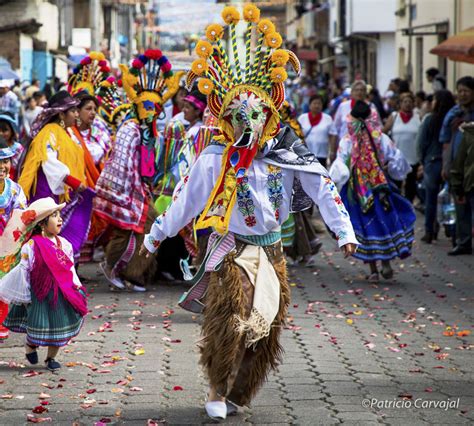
{"x":178,"y":16}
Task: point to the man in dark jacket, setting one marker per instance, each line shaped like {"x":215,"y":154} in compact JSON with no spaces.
{"x":462,"y":169}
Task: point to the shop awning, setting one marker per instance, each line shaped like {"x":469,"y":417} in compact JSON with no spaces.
{"x":459,"y":47}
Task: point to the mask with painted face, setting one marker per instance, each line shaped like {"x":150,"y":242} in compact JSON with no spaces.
{"x":149,"y":106}
{"x":247,"y":114}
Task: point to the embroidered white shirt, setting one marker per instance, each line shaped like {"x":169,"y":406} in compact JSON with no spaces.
{"x":263,"y":200}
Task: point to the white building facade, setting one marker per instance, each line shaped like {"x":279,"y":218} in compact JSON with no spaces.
{"x":363,"y":33}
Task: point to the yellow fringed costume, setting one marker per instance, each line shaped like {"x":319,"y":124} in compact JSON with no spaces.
{"x":69,"y":154}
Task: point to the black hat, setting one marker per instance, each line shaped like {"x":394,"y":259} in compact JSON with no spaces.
{"x":361,"y":110}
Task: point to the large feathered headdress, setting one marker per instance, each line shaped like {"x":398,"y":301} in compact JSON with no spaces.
{"x":150,"y":78}
{"x":89,"y":74}
{"x":221,"y":75}
{"x":246,"y":87}
{"x":113,"y":101}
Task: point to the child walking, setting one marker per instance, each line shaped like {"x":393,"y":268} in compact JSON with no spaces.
{"x":49,"y":302}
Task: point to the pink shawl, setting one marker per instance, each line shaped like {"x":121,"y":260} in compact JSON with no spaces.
{"x":52,"y":270}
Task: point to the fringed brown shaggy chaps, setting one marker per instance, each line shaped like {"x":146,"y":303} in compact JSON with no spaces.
{"x":235,"y":371}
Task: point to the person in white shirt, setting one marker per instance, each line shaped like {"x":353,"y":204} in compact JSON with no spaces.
{"x":339,"y":126}
{"x":316,"y":126}
{"x":404,"y":125}
{"x":173,"y":249}
{"x":8,"y":100}
{"x":194,"y":105}
{"x":241,"y":186}
{"x":172,"y":110}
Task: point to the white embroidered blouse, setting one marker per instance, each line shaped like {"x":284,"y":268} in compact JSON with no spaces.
{"x":397,"y":165}
{"x":263,"y":200}
{"x":15,"y":285}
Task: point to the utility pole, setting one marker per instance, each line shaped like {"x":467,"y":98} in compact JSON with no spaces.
{"x":94,"y":13}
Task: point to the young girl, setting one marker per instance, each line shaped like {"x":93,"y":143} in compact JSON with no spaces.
{"x":53,"y":302}
{"x":11,"y":197}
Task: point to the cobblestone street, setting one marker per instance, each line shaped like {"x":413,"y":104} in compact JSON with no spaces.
{"x":346,"y":342}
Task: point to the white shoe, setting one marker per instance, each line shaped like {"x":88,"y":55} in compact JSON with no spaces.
{"x":133,"y":287}
{"x":138,"y":288}
{"x":116,"y":282}
{"x":216,"y":409}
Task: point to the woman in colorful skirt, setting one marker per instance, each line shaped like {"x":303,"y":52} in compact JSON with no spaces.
{"x":95,"y":143}
{"x":55,"y":167}
{"x":49,"y":303}
{"x":383,"y":220}
{"x":11,"y":197}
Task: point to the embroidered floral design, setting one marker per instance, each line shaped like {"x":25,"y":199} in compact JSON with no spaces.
{"x":335,"y":195}
{"x":341,"y":235}
{"x":7,"y":263}
{"x":28,"y":217}
{"x":180,"y":188}
{"x":17,"y":234}
{"x":275,"y":188}
{"x":245,"y":203}
{"x":153,"y":242}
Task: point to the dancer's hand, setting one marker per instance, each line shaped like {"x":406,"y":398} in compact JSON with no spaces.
{"x":144,"y":251}
{"x":349,"y":249}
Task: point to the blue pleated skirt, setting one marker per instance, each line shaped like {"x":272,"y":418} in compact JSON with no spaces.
{"x":382,"y":234}
{"x":43,"y":324}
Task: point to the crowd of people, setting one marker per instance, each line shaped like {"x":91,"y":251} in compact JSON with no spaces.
{"x":214,"y":181}
{"x":426,"y":128}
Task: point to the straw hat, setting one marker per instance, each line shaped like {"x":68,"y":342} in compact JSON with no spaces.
{"x":22,"y":222}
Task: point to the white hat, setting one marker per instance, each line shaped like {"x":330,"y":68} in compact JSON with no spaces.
{"x":7,"y":83}
{"x":44,"y":207}
{"x":22,"y":223}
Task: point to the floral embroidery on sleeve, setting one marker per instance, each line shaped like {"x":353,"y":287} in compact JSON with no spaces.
{"x":180,"y":187}
{"x":153,"y":242}
{"x":275,"y":188}
{"x":245,"y":203}
{"x":335,"y":195}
